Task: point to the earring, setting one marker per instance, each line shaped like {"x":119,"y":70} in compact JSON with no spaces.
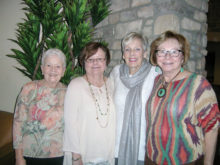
{"x":157,"y":69}
{"x":181,"y":69}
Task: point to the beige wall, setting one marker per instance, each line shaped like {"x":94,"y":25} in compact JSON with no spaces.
{"x":11,"y":80}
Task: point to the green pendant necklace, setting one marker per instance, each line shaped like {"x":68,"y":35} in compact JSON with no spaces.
{"x":162,"y":91}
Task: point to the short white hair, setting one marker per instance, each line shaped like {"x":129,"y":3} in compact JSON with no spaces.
{"x":134,"y":35}
{"x":52,"y":52}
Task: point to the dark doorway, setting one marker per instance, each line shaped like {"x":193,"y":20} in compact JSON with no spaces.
{"x":213,"y":75}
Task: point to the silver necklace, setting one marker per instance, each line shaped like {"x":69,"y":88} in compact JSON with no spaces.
{"x":98,"y":109}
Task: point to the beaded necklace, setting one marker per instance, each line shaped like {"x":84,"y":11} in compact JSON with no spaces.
{"x":98,"y":109}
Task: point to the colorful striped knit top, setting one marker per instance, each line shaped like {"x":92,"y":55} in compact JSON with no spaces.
{"x":177,"y":122}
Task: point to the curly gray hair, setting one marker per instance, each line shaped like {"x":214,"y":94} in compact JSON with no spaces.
{"x":54,"y":51}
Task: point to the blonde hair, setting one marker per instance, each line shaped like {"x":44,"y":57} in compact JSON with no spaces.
{"x":134,"y":35}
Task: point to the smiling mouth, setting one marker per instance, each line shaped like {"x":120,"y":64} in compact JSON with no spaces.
{"x":168,"y":63}
{"x":132,"y":59}
{"x":52,"y":75}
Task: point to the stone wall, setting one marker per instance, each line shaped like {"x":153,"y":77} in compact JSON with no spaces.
{"x":152,"y":17}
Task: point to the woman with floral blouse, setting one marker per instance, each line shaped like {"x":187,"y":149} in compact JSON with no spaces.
{"x":38,"y":120}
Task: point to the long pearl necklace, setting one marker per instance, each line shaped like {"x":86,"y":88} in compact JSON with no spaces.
{"x":162,"y":91}
{"x":98,"y":109}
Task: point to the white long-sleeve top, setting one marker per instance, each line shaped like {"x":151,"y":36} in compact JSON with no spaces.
{"x":82,"y":132}
{"x":119,"y":96}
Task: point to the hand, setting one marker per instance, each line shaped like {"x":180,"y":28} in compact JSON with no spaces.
{"x":210,"y":145}
{"x":77,"y":159}
{"x":79,"y":162}
{"x":20,"y":161}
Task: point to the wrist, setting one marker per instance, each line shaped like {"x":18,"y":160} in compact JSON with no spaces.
{"x":76,"y":159}
{"x":19,"y":157}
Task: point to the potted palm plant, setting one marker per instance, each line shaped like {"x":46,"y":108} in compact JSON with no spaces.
{"x":64,"y":24}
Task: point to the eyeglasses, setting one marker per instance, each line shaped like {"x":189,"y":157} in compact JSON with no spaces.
{"x":172,"y":53}
{"x":92,"y":60}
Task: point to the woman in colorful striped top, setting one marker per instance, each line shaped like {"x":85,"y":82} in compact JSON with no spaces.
{"x":182,"y":113}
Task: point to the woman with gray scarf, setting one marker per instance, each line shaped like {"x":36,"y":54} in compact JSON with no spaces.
{"x":133,"y":83}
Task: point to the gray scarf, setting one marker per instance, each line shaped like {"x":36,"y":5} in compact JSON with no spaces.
{"x":130,"y":136}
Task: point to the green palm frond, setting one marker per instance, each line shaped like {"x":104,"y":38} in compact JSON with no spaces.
{"x":75,"y":12}
{"x":99,"y":10}
{"x":81,"y":37}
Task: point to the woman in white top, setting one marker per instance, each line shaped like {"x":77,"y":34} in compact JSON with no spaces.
{"x":133,"y":83}
{"x":89,"y":114}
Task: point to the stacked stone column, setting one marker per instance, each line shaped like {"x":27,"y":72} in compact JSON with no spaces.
{"x":151,"y":18}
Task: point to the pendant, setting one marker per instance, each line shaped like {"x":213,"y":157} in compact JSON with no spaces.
{"x":161,"y":92}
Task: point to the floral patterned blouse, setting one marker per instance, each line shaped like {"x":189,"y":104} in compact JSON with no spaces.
{"x":38,"y":121}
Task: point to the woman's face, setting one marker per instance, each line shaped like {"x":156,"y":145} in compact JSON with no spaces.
{"x":96,"y":64}
{"x":169,"y":63}
{"x":133,"y":55}
{"x":52,"y":70}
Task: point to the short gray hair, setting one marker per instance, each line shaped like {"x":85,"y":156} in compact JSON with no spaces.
{"x":131,"y":36}
{"x":54,"y":51}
